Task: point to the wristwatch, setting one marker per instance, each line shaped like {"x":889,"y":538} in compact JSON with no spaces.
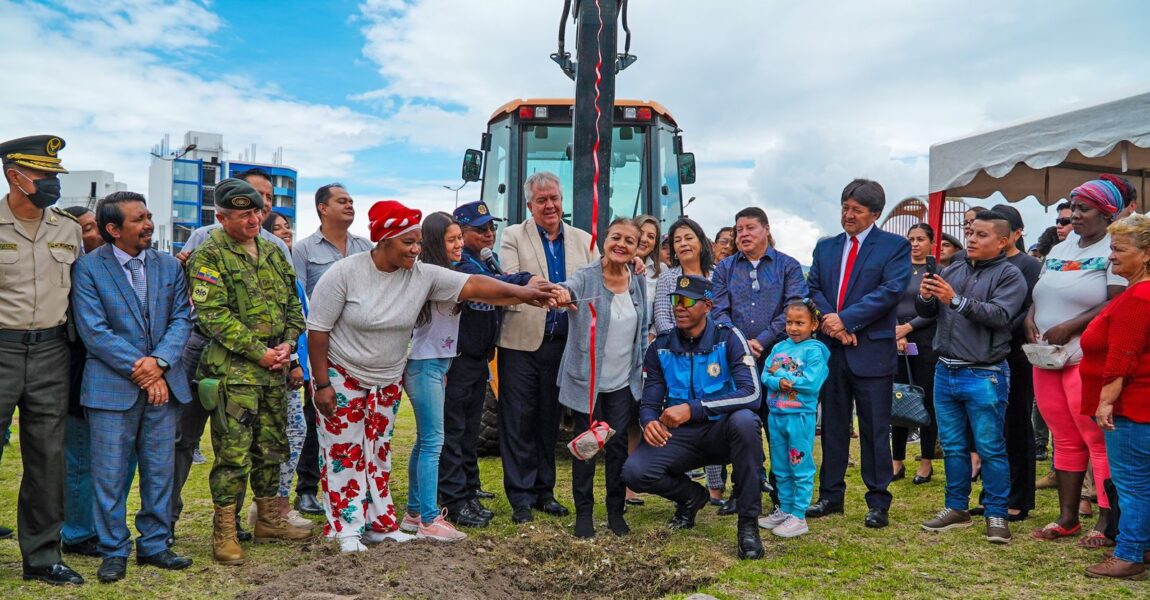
{"x":163,"y":364}
{"x":956,"y":301}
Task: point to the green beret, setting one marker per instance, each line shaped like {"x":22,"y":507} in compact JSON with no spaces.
{"x":238,"y":194}
{"x":36,"y":152}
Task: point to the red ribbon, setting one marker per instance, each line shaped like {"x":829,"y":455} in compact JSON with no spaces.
{"x":595,"y":207}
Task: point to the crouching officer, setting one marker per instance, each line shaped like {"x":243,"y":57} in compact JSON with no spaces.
{"x":244,"y":293}
{"x":700,"y":406}
{"x":38,"y":245}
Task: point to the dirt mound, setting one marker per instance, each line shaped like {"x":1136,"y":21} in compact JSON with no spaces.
{"x":543,"y":562}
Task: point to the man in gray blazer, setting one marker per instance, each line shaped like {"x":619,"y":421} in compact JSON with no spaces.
{"x":531,"y":347}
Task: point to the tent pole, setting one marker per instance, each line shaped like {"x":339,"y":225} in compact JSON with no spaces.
{"x":937,"y":204}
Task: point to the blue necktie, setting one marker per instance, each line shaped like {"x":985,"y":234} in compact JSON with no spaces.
{"x":139,"y":282}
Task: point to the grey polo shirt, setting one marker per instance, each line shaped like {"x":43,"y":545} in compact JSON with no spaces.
{"x":200,"y":236}
{"x":314,"y":255}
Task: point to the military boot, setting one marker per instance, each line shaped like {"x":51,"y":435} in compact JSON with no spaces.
{"x":272,"y":525}
{"x":226,"y":548}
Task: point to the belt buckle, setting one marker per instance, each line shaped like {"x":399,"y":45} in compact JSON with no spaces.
{"x":29,"y":338}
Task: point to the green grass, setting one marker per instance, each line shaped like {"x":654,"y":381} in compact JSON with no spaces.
{"x":840,"y":558}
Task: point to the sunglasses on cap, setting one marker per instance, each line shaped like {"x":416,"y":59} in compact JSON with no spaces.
{"x":685,"y":302}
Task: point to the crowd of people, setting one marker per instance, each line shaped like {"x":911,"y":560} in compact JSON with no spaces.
{"x":675,"y":354}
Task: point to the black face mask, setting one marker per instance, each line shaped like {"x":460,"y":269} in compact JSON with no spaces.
{"x":47,"y":191}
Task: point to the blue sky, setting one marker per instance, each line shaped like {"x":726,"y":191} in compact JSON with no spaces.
{"x":782,"y":102}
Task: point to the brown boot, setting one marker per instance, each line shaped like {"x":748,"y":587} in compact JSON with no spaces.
{"x":272,"y":525}
{"x":226,"y":548}
{"x":1116,"y":568}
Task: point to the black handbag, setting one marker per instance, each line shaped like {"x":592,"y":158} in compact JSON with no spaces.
{"x":907,"y":408}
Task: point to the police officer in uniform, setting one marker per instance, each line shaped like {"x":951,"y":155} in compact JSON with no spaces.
{"x":38,"y":244}
{"x":700,"y":406}
{"x":244,"y":293}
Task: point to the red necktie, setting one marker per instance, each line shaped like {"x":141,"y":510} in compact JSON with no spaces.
{"x":851,"y":256}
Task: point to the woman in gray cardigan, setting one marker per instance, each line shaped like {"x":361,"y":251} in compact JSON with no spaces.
{"x":620,"y":300}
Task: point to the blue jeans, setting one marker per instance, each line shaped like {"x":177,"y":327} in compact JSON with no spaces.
{"x":79,"y":524}
{"x":1128,"y":448}
{"x":424,"y":381}
{"x":975,"y":399}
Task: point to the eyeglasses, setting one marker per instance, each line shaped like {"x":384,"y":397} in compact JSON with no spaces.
{"x":968,"y":223}
{"x":1062,"y":221}
{"x":486,"y":228}
{"x":754,"y":279}
{"x":685,"y":302}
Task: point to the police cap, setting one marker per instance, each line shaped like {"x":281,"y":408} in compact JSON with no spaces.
{"x":37,"y":152}
{"x":474,"y":214}
{"x":238,"y":194}
{"x":693,"y":286}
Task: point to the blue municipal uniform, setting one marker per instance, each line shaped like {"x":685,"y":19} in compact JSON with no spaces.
{"x":715,"y":375}
{"x":791,"y":418}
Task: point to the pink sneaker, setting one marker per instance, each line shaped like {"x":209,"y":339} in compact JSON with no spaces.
{"x":792,"y":527}
{"x":440,"y":530}
{"x":410,"y":523}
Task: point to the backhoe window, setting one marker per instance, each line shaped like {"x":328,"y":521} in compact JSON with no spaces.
{"x":549,"y":148}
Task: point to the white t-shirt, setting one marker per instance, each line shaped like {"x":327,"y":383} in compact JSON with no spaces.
{"x":371,"y":314}
{"x":439,"y":338}
{"x":1073,"y":280}
{"x":619,"y":344}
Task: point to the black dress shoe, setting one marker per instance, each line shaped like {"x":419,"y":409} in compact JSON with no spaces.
{"x":242,"y":534}
{"x":900,"y":474}
{"x":876,"y":518}
{"x":919,"y":479}
{"x":5,"y":533}
{"x":521,"y":515}
{"x":112,"y":569}
{"x":165,"y":559}
{"x":57,"y":574}
{"x":823,"y":508}
{"x":552,"y":507}
{"x":464,"y":515}
{"x":308,"y":504}
{"x":750,"y":544}
{"x":88,"y":547}
{"x":636,"y":501}
{"x":1021,"y":515}
{"x":728,"y":507}
{"x":480,"y":510}
{"x":685,"y":512}
{"x":483,"y":494}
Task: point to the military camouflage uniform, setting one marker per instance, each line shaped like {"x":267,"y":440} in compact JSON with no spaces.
{"x":245,"y":306}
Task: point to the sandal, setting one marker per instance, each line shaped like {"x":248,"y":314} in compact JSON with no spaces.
{"x":1094,"y":540}
{"x":1054,"y":531}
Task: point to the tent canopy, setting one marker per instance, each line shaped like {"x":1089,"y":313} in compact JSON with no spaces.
{"x":1049,"y":156}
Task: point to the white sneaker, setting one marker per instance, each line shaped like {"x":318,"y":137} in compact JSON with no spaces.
{"x":440,"y":530}
{"x":773,"y":520}
{"x":373,"y":537}
{"x":351,"y":544}
{"x":792,"y":527}
{"x":410,"y":523}
{"x":297,"y":520}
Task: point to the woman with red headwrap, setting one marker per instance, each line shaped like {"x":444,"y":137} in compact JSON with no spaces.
{"x":363,"y":311}
{"x":1075,"y":285}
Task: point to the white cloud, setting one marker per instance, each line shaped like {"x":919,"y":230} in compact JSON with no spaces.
{"x":814,"y":94}
{"x":98,"y":82}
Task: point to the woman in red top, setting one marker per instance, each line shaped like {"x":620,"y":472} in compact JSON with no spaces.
{"x":1115,"y":373}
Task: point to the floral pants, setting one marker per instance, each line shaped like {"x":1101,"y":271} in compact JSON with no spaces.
{"x":355,"y":447}
{"x":296,"y":432}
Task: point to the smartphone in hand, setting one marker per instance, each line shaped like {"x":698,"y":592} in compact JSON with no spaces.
{"x":931,"y":266}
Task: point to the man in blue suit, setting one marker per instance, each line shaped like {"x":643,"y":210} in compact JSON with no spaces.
{"x":856,"y":279}
{"x":132,"y":311}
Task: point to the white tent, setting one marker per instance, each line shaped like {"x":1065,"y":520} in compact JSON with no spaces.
{"x":1049,"y":156}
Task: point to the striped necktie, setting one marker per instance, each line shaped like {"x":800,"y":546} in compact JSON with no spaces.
{"x":139,"y":282}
